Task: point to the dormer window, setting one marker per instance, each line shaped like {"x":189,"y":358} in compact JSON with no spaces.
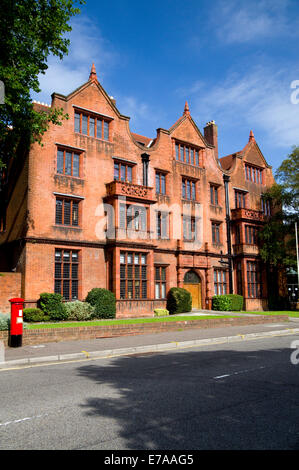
{"x":253,"y":174}
{"x":92,"y":125}
{"x":186,"y":154}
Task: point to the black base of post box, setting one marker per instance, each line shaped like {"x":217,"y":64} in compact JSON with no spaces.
{"x":15,"y":341}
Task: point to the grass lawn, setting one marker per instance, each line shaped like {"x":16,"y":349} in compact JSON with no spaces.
{"x":289,"y":313}
{"x":129,"y":321}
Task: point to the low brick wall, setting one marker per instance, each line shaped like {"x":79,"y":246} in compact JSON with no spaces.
{"x":32,"y":337}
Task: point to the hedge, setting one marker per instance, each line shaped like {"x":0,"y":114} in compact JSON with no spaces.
{"x":179,"y":300}
{"x":161,"y":312}
{"x":103,"y":301}
{"x":227,"y":302}
{"x":34,"y":315}
{"x":78,"y":310}
{"x":52,"y":305}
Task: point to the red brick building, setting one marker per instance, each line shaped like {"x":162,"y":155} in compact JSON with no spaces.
{"x":100,"y":206}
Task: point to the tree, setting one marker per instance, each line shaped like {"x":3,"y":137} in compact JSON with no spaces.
{"x":277,"y":237}
{"x":30,"y":30}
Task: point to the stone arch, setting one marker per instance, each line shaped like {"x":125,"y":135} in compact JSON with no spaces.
{"x":192,"y":283}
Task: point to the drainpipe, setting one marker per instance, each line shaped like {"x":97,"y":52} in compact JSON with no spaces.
{"x":145,"y":161}
{"x":226,"y":179}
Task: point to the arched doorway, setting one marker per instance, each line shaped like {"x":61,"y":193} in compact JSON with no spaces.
{"x":192,"y":284}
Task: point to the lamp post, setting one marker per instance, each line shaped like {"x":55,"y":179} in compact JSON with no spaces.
{"x":296,"y":233}
{"x":226,"y":179}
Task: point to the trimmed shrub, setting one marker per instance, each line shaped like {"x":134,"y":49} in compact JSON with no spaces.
{"x":103,"y":301}
{"x":161,"y":312}
{"x":52,"y":305}
{"x":34,"y":315}
{"x":78,"y":310}
{"x":179,"y":300}
{"x":4,"y":322}
{"x":227,"y":302}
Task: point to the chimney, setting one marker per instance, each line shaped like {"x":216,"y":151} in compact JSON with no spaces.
{"x":211,"y":135}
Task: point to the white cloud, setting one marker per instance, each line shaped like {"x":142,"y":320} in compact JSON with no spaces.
{"x":242,"y":21}
{"x":259,"y":100}
{"x":87,"y":46}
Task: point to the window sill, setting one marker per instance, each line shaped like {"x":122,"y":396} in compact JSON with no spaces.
{"x":72,"y":227}
{"x":92,"y":137}
{"x":69,"y":176}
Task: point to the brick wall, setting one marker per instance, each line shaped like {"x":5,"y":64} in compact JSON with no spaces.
{"x":31,"y":337}
{"x":10,"y":287}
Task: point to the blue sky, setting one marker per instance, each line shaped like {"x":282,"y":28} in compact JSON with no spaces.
{"x":234,"y":61}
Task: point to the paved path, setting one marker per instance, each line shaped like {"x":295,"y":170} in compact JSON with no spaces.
{"x":106,"y":347}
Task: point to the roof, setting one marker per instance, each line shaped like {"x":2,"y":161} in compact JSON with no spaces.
{"x":142,"y":139}
{"x":227,"y":161}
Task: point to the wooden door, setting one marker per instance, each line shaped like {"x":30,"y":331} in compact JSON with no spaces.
{"x":195,"y":292}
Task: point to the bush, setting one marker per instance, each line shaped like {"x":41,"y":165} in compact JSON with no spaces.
{"x":228,"y":302}
{"x":179,"y":300}
{"x":52,"y":305}
{"x":4,"y":322}
{"x":34,"y":315}
{"x":79,"y":310}
{"x":161,"y":312}
{"x":103,"y":301}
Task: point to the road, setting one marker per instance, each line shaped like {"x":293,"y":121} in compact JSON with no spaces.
{"x":228,"y":396}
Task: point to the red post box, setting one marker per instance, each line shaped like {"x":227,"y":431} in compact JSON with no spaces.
{"x":16,"y":322}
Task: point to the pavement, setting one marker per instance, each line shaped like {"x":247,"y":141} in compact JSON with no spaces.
{"x":63,"y":351}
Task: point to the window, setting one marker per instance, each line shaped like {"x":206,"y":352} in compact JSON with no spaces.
{"x":253,"y":174}
{"x":188,"y":189}
{"x":92,"y":125}
{"x":266,"y":206}
{"x":214,"y":195}
{"x":254,"y":285}
{"x":239,"y":278}
{"x":132,"y":217}
{"x":133,"y":275}
{"x":187,"y":154}
{"x":189,"y":228}
{"x":216,"y":232}
{"x":220,"y":285}
{"x":240,"y":199}
{"x":160,"y":282}
{"x":66,"y":273}
{"x":68,"y":162}
{"x":251,"y":234}
{"x":160,"y":183}
{"x":67,"y":212}
{"x":122,"y":172}
{"x":162,"y":225}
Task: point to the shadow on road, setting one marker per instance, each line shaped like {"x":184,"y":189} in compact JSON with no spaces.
{"x":193,"y":400}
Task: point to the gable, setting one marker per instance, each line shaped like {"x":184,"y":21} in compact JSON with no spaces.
{"x":186,"y":130}
{"x":254,"y":156}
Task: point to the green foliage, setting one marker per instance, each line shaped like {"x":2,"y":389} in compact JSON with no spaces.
{"x":277,"y":237}
{"x":179,"y":300}
{"x":288,"y":177}
{"x":52,"y":305}
{"x":34,"y":315}
{"x":79,"y":310}
{"x":228,"y":302}
{"x":4,"y":322}
{"x":30,"y":30}
{"x":161,"y":312}
{"x":103,"y":301}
